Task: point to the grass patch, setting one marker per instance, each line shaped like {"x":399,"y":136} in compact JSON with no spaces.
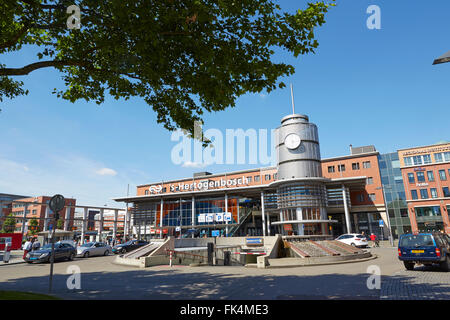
{"x":18,"y":295}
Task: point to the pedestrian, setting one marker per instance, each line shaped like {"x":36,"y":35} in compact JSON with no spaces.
{"x":36,"y":245}
{"x":26,"y":248}
{"x":374,"y":240}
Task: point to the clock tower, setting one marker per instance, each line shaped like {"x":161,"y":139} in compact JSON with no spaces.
{"x":298,"y":148}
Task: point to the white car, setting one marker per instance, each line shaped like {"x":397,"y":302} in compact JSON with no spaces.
{"x":93,"y":249}
{"x":353,"y":239}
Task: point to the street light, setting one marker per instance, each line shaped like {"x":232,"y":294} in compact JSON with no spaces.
{"x":442,"y":59}
{"x":391,"y":238}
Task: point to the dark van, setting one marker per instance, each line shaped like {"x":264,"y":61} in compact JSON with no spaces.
{"x":424,"y":248}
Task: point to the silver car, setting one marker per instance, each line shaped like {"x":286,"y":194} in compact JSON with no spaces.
{"x":91,"y":249}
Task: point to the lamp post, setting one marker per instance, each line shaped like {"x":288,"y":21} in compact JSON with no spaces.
{"x":442,"y":59}
{"x":391,"y":238}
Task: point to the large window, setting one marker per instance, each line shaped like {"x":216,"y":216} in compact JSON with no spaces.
{"x":369,"y":180}
{"x":355,"y":166}
{"x":366,"y":165}
{"x":433,"y":192}
{"x":417,"y":160}
{"x":411,"y":178}
{"x":424,"y":193}
{"x":442,"y":175}
{"x":420,"y":176}
{"x":426,"y":158}
{"x":372,"y":197}
{"x":441,"y":157}
{"x":434,"y":211}
{"x":430,"y":176}
{"x":446,"y":192}
{"x":408,"y":161}
{"x":267,"y":177}
{"x":341,"y":167}
{"x":330,"y":169}
{"x":414,"y":195}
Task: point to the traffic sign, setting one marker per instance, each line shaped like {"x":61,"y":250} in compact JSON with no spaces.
{"x":215,"y":233}
{"x":381,"y":223}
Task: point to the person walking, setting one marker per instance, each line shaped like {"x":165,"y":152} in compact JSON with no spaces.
{"x":36,"y":245}
{"x":374,"y":240}
{"x":26,"y":248}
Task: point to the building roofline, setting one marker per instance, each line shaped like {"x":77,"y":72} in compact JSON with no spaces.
{"x":207,"y":176}
{"x":428,"y":146}
{"x":271,"y":185}
{"x":351,"y":156}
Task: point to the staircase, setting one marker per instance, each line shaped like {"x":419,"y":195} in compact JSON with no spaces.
{"x":244,"y":213}
{"x":142,"y":251}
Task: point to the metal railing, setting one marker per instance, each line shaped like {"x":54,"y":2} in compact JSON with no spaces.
{"x":244,"y":214}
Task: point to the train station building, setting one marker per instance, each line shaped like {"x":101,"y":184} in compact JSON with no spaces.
{"x":303,"y":195}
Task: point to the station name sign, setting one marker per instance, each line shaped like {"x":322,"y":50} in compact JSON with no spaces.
{"x":428,"y":150}
{"x":202,"y":185}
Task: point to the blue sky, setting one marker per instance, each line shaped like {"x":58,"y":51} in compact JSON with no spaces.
{"x":362,"y":87}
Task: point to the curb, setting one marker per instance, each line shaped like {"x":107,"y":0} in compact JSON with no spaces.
{"x":10,"y":263}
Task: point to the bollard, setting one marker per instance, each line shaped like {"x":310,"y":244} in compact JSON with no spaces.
{"x":170,"y":259}
{"x":7,"y":253}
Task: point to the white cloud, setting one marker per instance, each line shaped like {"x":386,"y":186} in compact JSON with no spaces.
{"x":190,"y":164}
{"x":70,"y":175}
{"x":106,"y":172}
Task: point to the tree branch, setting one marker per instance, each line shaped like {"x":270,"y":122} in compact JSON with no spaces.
{"x":38,"y":65}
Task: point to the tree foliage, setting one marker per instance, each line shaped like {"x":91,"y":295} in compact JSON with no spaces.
{"x":183,"y":57}
{"x":9,"y":224}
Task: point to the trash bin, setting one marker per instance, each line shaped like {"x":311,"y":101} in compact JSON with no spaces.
{"x":227,"y":258}
{"x":210,"y":253}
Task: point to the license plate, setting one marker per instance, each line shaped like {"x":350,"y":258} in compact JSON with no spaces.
{"x":417,"y":251}
{"x":33,"y":258}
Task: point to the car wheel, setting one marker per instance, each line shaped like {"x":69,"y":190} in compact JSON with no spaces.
{"x":445,"y":265}
{"x":86,"y":254}
{"x":123,"y":250}
{"x":409,"y":265}
{"x":71,"y":256}
{"x":353,"y":245}
{"x":106,"y":253}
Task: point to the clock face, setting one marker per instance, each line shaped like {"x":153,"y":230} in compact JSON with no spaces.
{"x":292,"y":141}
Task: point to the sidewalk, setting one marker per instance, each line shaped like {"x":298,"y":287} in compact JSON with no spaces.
{"x":15,"y":258}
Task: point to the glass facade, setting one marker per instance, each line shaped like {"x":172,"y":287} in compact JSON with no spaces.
{"x":394,"y":191}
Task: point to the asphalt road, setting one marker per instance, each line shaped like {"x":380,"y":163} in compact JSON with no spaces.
{"x":101,"y":279}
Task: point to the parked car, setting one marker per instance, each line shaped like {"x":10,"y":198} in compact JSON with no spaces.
{"x":354,"y":239}
{"x":71,"y":242}
{"x":93,"y":249}
{"x":62,"y":251}
{"x":424,"y":248}
{"x":129,"y":246}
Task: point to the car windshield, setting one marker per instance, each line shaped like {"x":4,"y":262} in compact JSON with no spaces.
{"x":87,"y":245}
{"x":416,"y":240}
{"x":47,"y":246}
{"x":129,"y":242}
{"x":359,"y":236}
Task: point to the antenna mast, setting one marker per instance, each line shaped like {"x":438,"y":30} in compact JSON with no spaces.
{"x":292,"y":98}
